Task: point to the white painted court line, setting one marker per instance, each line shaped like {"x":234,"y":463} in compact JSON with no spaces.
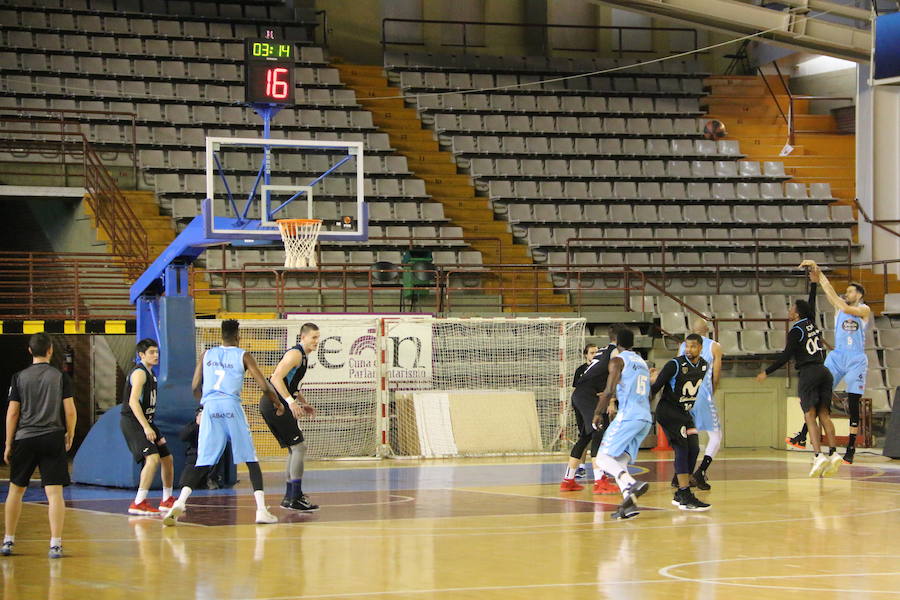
{"x":729,"y":581}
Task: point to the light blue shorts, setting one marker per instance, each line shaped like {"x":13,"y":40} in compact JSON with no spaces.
{"x":220,"y":422}
{"x":706,"y":417}
{"x":624,"y":436}
{"x":849,"y":366}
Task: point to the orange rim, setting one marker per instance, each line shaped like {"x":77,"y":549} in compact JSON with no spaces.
{"x":298,"y":221}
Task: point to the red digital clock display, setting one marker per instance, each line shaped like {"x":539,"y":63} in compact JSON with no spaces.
{"x":269,"y":72}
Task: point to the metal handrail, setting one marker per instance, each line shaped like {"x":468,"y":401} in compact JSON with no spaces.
{"x":114,"y":215}
{"x":789,"y":119}
{"x":465,"y":45}
{"x":880,"y":223}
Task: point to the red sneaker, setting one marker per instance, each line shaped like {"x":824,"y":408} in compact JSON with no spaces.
{"x":570,"y":485}
{"x":605,"y":486}
{"x":144,"y":508}
{"x":167,"y":503}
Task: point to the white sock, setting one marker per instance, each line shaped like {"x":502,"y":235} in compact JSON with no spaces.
{"x":260,"y":497}
{"x":9,"y":538}
{"x":141,"y":496}
{"x":622,"y":478}
{"x":167,"y":493}
{"x":598,"y":472}
{"x":570,"y":473}
{"x":183,"y":497}
{"x":580,"y":465}
{"x":712,"y":446}
{"x":55,"y":542}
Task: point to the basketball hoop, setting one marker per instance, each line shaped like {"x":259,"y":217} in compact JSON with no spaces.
{"x":299,"y":237}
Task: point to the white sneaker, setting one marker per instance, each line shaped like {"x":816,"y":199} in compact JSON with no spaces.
{"x":172,"y":515}
{"x":819,"y":464}
{"x":263,"y":516}
{"x":834,"y":463}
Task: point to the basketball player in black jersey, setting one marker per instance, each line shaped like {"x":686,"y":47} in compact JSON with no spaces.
{"x":588,"y":386}
{"x":143,"y":437}
{"x":680,"y":379}
{"x":804,"y":345}
{"x":286,"y":429}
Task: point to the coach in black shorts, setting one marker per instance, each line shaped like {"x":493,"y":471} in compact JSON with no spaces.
{"x":286,"y":381}
{"x":40,"y":425}
{"x":804,"y":345}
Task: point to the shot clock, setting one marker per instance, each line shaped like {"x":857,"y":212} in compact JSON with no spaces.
{"x":269,"y":71}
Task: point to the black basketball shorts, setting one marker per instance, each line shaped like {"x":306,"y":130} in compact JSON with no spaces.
{"x":47,"y":451}
{"x":814,"y":387}
{"x":138,"y":443}
{"x":284,"y":428}
{"x":675,"y":421}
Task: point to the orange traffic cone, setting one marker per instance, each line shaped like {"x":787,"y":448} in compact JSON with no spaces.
{"x":662,"y":442}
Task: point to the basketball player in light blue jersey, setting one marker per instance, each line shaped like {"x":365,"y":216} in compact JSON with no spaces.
{"x":629,"y":381}
{"x":705,"y":415}
{"x":848,"y":360}
{"x":220,"y":375}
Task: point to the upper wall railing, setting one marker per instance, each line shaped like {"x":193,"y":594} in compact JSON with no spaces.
{"x":471,"y":40}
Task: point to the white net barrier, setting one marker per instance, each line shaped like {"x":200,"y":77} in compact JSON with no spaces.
{"x":337,"y":383}
{"x":489,"y":386}
{"x":452,"y":387}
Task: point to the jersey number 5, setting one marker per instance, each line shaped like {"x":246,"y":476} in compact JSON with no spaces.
{"x":642,"y":384}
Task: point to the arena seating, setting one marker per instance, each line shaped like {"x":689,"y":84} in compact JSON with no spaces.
{"x":182,"y":76}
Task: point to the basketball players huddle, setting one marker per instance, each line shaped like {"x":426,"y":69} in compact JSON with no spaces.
{"x":687,"y":406}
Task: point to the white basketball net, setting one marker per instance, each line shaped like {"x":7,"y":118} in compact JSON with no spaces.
{"x":299,"y":237}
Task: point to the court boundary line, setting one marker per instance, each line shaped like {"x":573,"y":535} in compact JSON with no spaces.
{"x":665,"y":572}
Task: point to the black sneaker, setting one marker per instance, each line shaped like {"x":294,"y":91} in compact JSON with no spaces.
{"x":580,"y":473}
{"x":675,"y":481}
{"x":796,"y":442}
{"x":688,"y":501}
{"x":303,"y":503}
{"x":7,"y":548}
{"x":699,"y":481}
{"x":626,"y":510}
{"x":848,"y":455}
{"x":286,"y":502}
{"x":637,"y":489}
{"x":676,"y":499}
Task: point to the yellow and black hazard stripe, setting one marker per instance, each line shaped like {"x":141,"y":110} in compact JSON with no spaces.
{"x":89,"y":326}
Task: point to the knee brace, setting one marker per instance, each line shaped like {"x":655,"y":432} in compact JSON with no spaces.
{"x":853,"y":408}
{"x":693,"y":451}
{"x":682,"y":460}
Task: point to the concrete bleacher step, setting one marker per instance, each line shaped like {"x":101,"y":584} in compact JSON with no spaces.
{"x":824,"y":156}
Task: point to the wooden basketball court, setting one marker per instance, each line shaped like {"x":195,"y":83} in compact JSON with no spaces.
{"x":487,"y":529}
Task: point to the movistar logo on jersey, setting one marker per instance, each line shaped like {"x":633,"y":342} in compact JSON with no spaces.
{"x":691,"y":388}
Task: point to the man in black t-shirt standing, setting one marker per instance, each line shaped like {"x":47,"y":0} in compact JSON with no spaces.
{"x":804,"y":345}
{"x":146,"y":443}
{"x":38,"y":435}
